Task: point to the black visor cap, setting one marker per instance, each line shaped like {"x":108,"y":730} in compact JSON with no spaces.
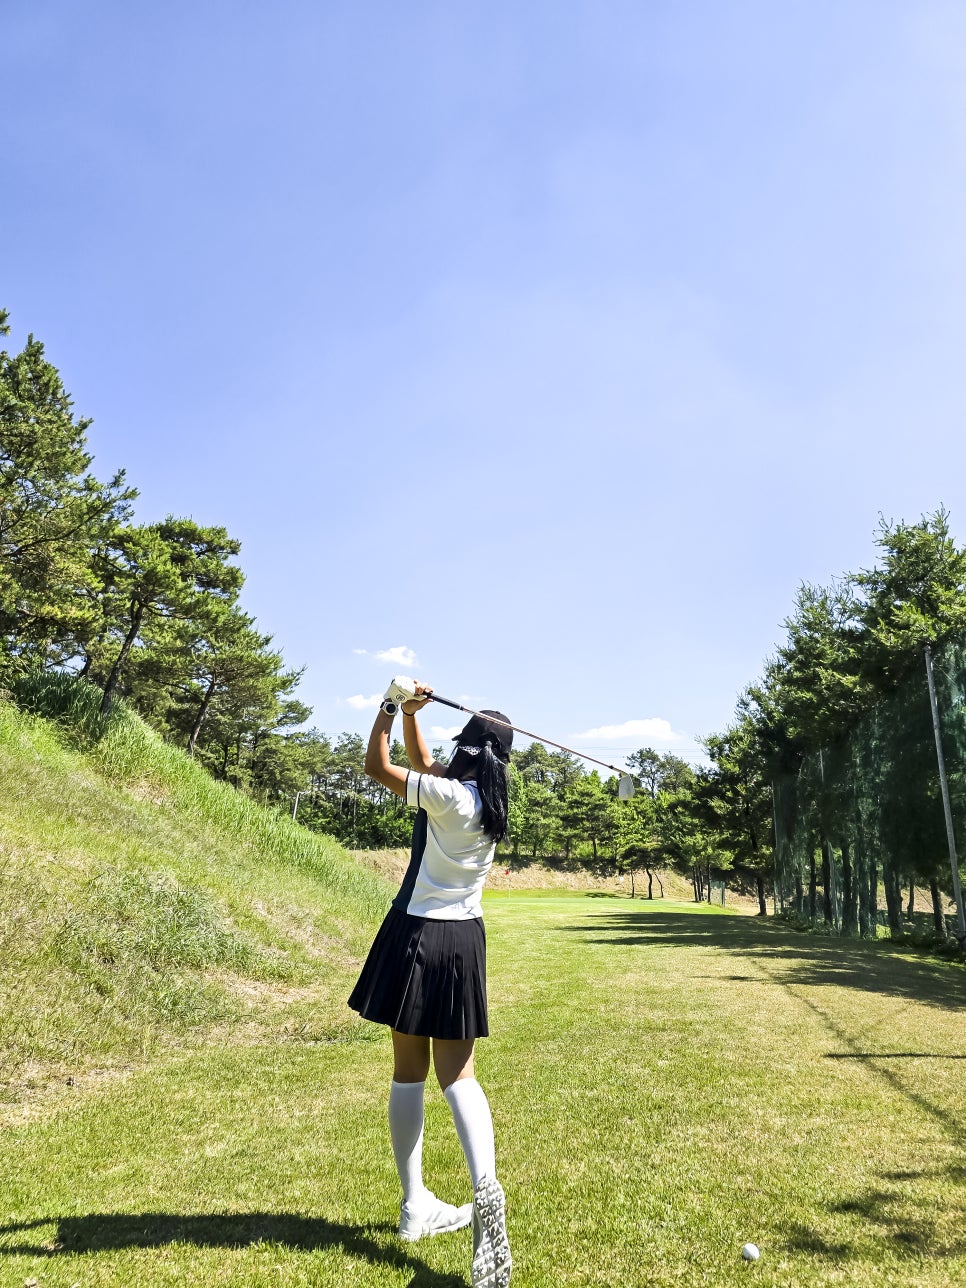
{"x":479,"y":730}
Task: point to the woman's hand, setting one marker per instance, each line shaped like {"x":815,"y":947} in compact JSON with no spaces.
{"x":424,"y":694}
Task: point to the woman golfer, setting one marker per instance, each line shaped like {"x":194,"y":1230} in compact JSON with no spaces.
{"x":425,"y":976}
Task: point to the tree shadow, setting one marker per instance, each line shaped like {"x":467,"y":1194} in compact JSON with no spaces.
{"x":911,"y":1225}
{"x":891,"y":1055}
{"x":116,"y":1231}
{"x":814,"y":962}
{"x":785,"y":962}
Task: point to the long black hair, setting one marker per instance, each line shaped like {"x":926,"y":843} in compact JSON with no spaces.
{"x":490,"y":773}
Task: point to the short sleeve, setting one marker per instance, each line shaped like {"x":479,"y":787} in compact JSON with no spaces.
{"x":437,"y":795}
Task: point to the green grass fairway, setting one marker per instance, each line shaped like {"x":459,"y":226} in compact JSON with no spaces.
{"x":666,"y":1084}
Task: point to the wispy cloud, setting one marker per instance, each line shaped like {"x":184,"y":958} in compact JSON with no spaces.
{"x":401,"y":655}
{"x":361,"y":703}
{"x":449,"y":731}
{"x":655,"y":729}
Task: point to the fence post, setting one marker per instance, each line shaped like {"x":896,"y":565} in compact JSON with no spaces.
{"x":947,"y":808}
{"x":774,"y":856}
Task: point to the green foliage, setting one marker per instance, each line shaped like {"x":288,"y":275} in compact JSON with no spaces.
{"x":172,"y":572}
{"x":74,"y":704}
{"x":53,"y":514}
{"x":148,"y":612}
{"x":915,"y":595}
{"x":840,"y":724}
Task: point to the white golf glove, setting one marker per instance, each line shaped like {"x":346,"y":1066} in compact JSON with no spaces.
{"x":402,"y":689}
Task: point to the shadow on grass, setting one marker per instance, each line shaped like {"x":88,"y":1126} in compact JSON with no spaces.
{"x":116,"y":1231}
{"x":910,"y":1224}
{"x":783,"y":960}
{"x":891,"y":1055}
{"x":809,"y":962}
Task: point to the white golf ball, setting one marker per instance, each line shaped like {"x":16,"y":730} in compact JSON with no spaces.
{"x":750,"y":1252}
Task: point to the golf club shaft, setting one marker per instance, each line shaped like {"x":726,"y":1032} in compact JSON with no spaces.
{"x":458,"y":706}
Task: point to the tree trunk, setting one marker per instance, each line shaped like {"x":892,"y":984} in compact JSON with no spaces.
{"x":860,"y":878}
{"x":137,"y":616}
{"x":873,"y":896}
{"x":893,"y":893}
{"x":799,"y":894}
{"x":939,"y":921}
{"x":709,"y":883}
{"x":912,"y":898}
{"x":632,"y":881}
{"x":849,"y":892}
{"x":650,"y":883}
{"x":202,"y":712}
{"x":812,"y":887}
{"x":828,"y":910}
{"x":762,"y":905}
{"x":660,"y":883}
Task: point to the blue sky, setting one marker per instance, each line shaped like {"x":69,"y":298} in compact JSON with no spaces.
{"x":545,"y":348}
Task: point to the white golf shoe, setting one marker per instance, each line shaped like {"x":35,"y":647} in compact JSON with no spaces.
{"x":430,"y":1216}
{"x":491,"y":1250}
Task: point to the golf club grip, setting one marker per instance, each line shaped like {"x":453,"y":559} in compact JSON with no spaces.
{"x":447,"y":703}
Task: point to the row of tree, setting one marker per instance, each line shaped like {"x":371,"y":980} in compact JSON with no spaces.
{"x":835,"y":742}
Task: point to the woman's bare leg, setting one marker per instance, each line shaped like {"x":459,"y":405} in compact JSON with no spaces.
{"x":410,"y":1057}
{"x":453,"y":1059}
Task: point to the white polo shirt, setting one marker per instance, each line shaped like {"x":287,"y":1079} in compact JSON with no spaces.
{"x":445,"y":880}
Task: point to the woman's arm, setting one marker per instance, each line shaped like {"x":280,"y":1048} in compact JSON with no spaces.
{"x":416,"y":749}
{"x":378,"y":764}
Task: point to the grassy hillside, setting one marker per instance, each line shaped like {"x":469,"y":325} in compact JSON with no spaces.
{"x":142,"y":904}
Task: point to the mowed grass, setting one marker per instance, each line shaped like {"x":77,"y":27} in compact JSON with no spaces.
{"x":667,"y":1083}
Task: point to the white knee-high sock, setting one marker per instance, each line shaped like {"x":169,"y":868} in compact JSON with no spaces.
{"x":406,"y":1133}
{"x":474,"y":1126}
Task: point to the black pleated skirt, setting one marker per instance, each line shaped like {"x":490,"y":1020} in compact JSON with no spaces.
{"x":425,"y":977}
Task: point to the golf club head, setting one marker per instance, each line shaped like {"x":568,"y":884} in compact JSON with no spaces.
{"x":625,"y":788}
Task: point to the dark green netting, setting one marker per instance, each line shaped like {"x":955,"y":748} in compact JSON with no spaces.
{"x":860,"y":834}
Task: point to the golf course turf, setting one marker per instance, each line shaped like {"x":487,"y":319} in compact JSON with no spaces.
{"x":668,"y":1082}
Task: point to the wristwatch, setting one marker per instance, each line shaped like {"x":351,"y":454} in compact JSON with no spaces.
{"x":388,"y":706}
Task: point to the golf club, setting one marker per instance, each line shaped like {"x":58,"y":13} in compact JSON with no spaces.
{"x":625,"y":787}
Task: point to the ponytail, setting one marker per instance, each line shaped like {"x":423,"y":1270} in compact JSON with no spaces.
{"x":491,"y":783}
